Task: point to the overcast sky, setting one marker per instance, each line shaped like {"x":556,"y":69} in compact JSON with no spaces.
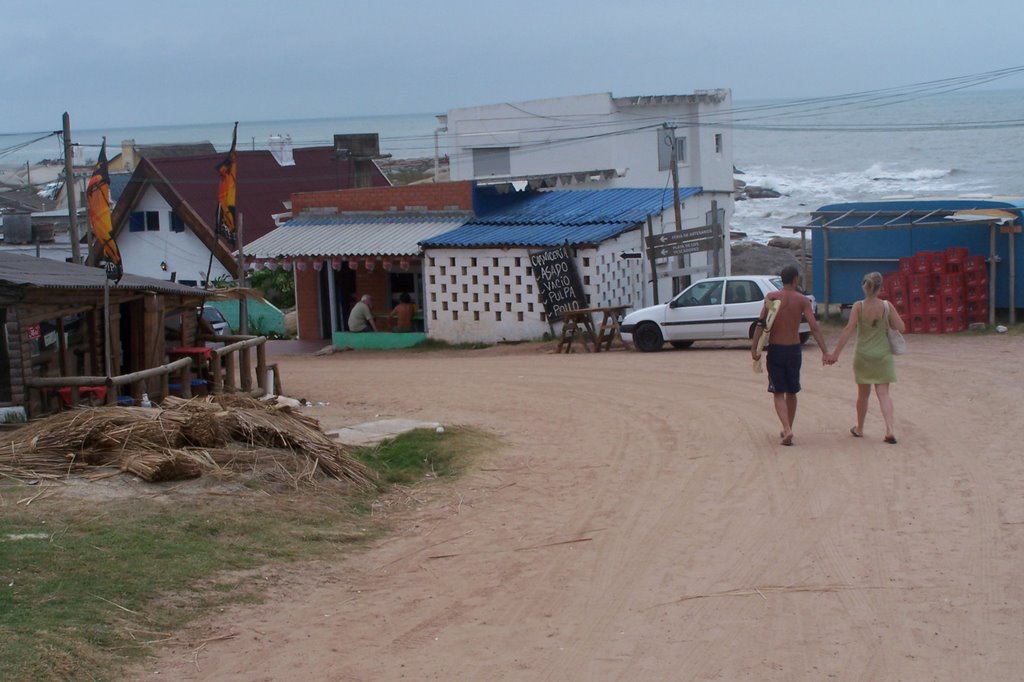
{"x":138,"y":63}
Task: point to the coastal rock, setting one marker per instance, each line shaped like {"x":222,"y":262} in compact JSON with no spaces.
{"x":755,"y":192}
{"x":752,"y":258}
{"x":743,"y":191}
{"x":785,"y":243}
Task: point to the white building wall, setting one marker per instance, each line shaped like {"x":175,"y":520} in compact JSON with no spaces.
{"x":183,"y":252}
{"x":490,"y":295}
{"x":572,"y":135}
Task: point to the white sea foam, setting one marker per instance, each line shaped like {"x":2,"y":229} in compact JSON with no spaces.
{"x":878,"y":172}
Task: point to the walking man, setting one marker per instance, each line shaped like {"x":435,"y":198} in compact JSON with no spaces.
{"x":785,"y":354}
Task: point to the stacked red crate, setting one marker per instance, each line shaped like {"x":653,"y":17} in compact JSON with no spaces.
{"x":939,"y":291}
{"x":922,"y":262}
{"x":955,"y":256}
{"x":975,"y":289}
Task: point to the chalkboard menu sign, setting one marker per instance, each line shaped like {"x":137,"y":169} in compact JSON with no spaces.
{"x":558,"y":281}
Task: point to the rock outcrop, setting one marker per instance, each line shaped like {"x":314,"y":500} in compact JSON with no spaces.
{"x":752,"y":258}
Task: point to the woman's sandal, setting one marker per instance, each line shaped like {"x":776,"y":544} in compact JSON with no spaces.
{"x":891,"y":440}
{"x":853,"y":432}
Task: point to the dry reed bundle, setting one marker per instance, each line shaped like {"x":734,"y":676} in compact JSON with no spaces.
{"x":163,"y":465}
{"x":182,"y":440}
{"x":260,"y":424}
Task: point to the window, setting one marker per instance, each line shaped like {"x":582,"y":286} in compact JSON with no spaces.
{"x":491,"y":161}
{"x":140,"y":221}
{"x":666,"y":138}
{"x":718,"y":143}
{"x":177,"y":224}
{"x":701,"y":293}
{"x":742,"y":291}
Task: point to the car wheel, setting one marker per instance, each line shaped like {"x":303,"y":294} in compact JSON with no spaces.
{"x":647,"y":337}
{"x":681,"y":344}
{"x":804,"y":337}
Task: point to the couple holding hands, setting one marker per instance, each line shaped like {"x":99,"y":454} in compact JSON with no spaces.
{"x":873,"y":363}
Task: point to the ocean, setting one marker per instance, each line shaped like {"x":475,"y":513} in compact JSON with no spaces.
{"x":859,"y":151}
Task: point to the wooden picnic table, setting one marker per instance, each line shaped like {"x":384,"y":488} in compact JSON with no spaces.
{"x":579,"y":324}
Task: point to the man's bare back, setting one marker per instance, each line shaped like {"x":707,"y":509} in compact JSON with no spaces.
{"x":786,"y":327}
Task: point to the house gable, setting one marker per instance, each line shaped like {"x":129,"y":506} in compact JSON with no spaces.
{"x":146,"y":177}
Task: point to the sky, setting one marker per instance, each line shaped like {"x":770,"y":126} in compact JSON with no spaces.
{"x":140,"y":63}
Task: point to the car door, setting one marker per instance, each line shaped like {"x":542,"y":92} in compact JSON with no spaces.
{"x":696,"y":313}
{"x":743,"y":302}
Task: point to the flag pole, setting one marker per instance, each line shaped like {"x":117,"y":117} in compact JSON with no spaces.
{"x":106,"y":324}
{"x":243,"y":304}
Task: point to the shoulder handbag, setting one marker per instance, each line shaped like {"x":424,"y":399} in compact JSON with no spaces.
{"x":897,"y":344}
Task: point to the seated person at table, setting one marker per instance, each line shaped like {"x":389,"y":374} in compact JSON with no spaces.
{"x":361,"y":317}
{"x":403,"y":314}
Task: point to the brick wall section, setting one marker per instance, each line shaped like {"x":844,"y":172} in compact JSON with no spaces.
{"x":307,"y":303}
{"x":441,"y":196}
{"x":375,"y":284}
{"x":307,"y":298}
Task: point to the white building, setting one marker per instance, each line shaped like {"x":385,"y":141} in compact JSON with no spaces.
{"x":601,"y":142}
{"x":598,"y":140}
{"x":479,"y":282}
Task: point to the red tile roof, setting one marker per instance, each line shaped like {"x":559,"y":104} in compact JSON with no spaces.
{"x":263,"y":184}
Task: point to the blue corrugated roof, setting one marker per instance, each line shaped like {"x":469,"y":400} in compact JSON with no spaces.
{"x":903,"y":213}
{"x":555,"y":217}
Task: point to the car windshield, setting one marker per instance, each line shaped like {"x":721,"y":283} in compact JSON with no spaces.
{"x":776,"y":282}
{"x":213,"y":315}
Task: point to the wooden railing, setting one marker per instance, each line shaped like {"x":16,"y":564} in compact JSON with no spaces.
{"x":137,"y":380}
{"x":231,"y":370}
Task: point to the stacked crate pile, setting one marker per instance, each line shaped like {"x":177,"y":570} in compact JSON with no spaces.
{"x":938,"y":292}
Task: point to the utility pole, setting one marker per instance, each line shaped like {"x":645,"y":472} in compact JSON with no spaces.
{"x":675,"y":178}
{"x":70,"y":190}
{"x":654,"y":268}
{"x":719,"y":237}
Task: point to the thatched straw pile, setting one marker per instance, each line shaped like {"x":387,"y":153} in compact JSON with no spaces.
{"x":181,"y":439}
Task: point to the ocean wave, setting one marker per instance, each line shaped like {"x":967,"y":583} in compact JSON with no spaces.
{"x":878,"y":172}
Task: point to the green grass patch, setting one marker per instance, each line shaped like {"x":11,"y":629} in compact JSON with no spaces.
{"x":429,"y":344}
{"x":88,"y":588}
{"x":83,"y":589}
{"x":423,"y":453}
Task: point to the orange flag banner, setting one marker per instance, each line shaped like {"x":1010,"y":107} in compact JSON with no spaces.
{"x":228,"y":169}
{"x":97,"y":197}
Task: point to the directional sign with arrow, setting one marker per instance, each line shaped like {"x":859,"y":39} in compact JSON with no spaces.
{"x":682,"y":248}
{"x":668,"y":238}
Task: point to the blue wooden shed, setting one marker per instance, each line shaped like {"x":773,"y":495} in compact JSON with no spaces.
{"x":850,"y":239}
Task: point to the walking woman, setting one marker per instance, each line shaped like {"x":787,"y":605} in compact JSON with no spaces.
{"x":872,"y":362}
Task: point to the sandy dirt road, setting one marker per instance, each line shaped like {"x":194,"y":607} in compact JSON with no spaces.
{"x":641,"y":522}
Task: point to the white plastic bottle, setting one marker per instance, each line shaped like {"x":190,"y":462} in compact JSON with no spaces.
{"x":145,"y":401}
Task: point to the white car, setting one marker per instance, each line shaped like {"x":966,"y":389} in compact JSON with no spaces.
{"x":714,"y":308}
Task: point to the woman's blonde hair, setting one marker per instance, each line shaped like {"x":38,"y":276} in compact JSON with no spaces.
{"x":872,"y":284}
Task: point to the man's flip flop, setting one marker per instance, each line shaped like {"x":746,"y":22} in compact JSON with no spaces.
{"x":853,"y":432}
{"x":788,"y":440}
{"x":891,"y":440}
